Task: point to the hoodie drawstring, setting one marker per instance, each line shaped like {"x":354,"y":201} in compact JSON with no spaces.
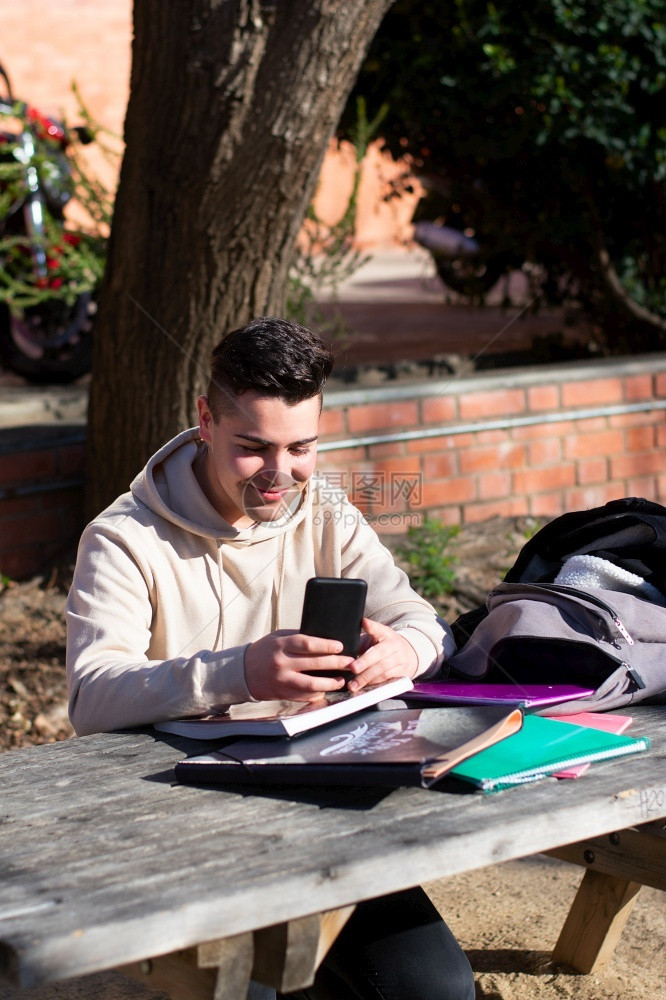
{"x":280,"y":580}
{"x":220,"y":620}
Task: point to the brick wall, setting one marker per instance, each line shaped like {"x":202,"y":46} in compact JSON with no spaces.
{"x":537,"y":442}
{"x":41,"y":496}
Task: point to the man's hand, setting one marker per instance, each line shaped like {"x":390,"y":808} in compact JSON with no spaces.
{"x":275,"y":666}
{"x":385,"y":654}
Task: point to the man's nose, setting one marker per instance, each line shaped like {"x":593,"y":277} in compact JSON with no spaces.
{"x":282,"y":464}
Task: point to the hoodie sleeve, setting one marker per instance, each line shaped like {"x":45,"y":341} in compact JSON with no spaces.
{"x":112,"y":681}
{"x":391,"y":599}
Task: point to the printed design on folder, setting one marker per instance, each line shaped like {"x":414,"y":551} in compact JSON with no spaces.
{"x":364,"y":739}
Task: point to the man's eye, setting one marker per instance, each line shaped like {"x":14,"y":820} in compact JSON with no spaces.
{"x":250,"y":451}
{"x":300,"y":451}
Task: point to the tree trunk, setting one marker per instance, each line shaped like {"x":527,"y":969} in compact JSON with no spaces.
{"x":232,"y":104}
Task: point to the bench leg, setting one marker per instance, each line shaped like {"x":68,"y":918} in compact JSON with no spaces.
{"x":285,"y":956}
{"x":595,"y":921}
{"x":182,"y":976}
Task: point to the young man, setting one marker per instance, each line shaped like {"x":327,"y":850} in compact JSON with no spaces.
{"x":188,"y":590}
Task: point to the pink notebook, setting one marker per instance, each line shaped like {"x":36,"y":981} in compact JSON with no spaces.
{"x":470,"y":693}
{"x":593,"y":720}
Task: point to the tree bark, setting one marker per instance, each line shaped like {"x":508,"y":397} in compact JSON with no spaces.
{"x":232,"y":104}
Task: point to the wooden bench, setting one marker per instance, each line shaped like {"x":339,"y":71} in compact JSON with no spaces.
{"x":106,"y":863}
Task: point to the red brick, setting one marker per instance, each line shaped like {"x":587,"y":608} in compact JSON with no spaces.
{"x":439,"y":409}
{"x":490,"y":437}
{"x":595,"y":392}
{"x":447,"y":515}
{"x":440,"y":466}
{"x":590,"y":425}
{"x":591,"y":470}
{"x":638,"y":464}
{"x":386,"y":485}
{"x":331,"y":422}
{"x":543,"y":397}
{"x":71,"y":459}
{"x":543,"y":480}
{"x":505,"y":456}
{"x":406,"y":465}
{"x":394,"y":525}
{"x":436,"y":443}
{"x":661,"y":437}
{"x":642,"y":488}
{"x":339,"y":458}
{"x":545,"y":452}
{"x":625,"y":420}
{"x":376,"y":416}
{"x":12,"y":505}
{"x":660,"y":385}
{"x":483,"y":511}
{"x":637,"y":387}
{"x":561,"y":428}
{"x":27,"y":466}
{"x":547,"y":505}
{"x":593,"y":496}
{"x":21,"y":563}
{"x":448,"y":491}
{"x":494,"y":403}
{"x":33,"y":527}
{"x":63,"y":498}
{"x":589,"y":445}
{"x":389,"y":509}
{"x":494,"y":485}
{"x":640,"y":439}
{"x":388,"y":449}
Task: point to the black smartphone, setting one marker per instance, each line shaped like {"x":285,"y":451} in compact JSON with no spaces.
{"x":333,"y":609}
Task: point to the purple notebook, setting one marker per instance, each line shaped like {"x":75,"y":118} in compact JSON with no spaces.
{"x":522,"y":695}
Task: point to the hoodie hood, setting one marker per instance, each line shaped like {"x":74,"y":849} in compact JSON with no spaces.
{"x":168,"y":487}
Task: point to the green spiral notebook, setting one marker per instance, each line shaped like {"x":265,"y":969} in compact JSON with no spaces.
{"x":540,"y":748}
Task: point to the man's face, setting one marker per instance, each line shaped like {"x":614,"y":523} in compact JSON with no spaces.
{"x":259,"y":458}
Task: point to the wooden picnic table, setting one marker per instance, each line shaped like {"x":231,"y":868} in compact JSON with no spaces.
{"x":107,"y":863}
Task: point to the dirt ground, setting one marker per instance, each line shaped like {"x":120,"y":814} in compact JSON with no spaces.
{"x":507,"y":917}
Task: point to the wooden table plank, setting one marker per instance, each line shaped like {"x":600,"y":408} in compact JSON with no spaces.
{"x":104,"y":861}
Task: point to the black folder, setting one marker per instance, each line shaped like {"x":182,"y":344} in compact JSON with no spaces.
{"x":386,"y":747}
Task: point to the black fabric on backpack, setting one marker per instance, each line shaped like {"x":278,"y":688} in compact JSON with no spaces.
{"x":629,"y":532}
{"x":534,"y":629}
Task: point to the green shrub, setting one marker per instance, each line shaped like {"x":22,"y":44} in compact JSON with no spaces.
{"x":431,"y":569}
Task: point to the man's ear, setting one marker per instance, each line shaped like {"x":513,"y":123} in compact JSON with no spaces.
{"x":205,"y":419}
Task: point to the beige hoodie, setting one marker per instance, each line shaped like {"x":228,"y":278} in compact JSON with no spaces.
{"x":167,"y":595}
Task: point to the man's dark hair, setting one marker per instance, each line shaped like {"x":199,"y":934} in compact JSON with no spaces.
{"x":272,"y":357}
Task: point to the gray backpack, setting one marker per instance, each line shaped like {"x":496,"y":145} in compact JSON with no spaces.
{"x":611,"y":642}
{"x":585,"y":604}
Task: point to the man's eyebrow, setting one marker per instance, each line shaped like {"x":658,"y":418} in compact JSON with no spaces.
{"x":292,"y":444}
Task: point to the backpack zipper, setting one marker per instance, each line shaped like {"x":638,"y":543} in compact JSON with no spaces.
{"x":584,"y":595}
